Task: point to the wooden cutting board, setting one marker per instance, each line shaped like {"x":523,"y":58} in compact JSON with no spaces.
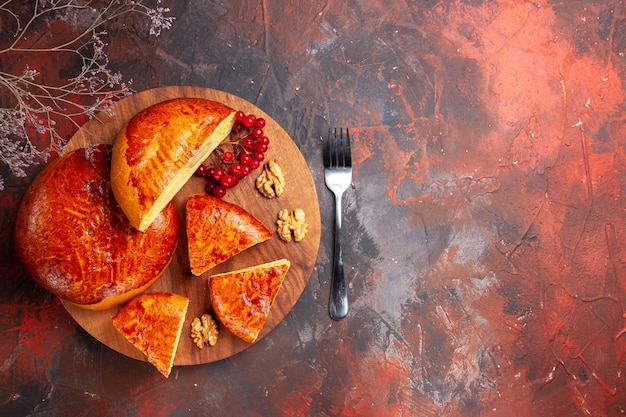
{"x":299,"y":193}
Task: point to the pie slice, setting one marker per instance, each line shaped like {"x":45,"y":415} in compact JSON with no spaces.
{"x":153,"y":322}
{"x":160,"y":148}
{"x":242,"y":299}
{"x":218,"y":230}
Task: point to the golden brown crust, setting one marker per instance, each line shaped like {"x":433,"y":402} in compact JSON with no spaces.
{"x":153,"y":323}
{"x":73,"y":239}
{"x":242,"y":299}
{"x":218,"y":230}
{"x":159,"y":149}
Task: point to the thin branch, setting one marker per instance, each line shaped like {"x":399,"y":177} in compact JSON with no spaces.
{"x":37,"y":106}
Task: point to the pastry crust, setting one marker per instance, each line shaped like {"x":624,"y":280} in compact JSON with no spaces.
{"x":73,"y":239}
{"x":153,"y":323}
{"x":160,"y":148}
{"x":218,"y":230}
{"x":242,"y":299}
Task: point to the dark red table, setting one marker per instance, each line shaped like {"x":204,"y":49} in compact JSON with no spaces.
{"x":485,"y":225}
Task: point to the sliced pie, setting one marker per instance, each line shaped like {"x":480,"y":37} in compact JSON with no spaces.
{"x":153,"y":322}
{"x":218,"y":230}
{"x":242,"y":299}
{"x":160,"y":148}
{"x":75,"y":241}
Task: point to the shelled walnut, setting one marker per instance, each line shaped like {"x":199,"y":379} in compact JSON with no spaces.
{"x":271,"y":182}
{"x":291,"y":222}
{"x":204,"y":330}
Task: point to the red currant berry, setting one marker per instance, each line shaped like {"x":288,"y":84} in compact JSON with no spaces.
{"x":248,"y":142}
{"x":200,"y":171}
{"x":261,"y":147}
{"x":259,"y":156}
{"x":219,"y":191}
{"x":237,"y":128}
{"x":227,"y":181}
{"x":257,"y":133}
{"x":210,"y":185}
{"x":218,"y":173}
{"x":239,"y":116}
{"x":228,"y":156}
{"x":249,"y":120}
{"x":260,"y":122}
{"x":245,"y":158}
{"x":254,"y":164}
{"x":236,"y":169}
{"x":245,"y":170}
{"x":265,"y":140}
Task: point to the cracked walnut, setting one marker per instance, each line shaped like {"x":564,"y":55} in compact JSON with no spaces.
{"x":271,"y":182}
{"x":204,"y":331}
{"x":291,"y":222}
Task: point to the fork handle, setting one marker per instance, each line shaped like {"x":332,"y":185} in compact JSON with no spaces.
{"x":338,"y":305}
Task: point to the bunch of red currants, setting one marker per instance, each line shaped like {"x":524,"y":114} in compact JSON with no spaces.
{"x":237,"y":156}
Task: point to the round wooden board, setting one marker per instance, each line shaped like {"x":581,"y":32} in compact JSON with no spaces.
{"x":299,"y":193}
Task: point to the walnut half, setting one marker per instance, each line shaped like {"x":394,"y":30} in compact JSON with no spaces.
{"x":204,"y":331}
{"x":271,"y":182}
{"x":291,"y":222}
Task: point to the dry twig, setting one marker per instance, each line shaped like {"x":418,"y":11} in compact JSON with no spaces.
{"x":35,"y":107}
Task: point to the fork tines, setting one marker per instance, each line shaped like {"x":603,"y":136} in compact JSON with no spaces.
{"x":337,"y":150}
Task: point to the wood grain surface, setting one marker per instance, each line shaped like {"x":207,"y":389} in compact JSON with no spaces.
{"x":299,"y":193}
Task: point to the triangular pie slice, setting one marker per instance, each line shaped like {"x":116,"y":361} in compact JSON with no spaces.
{"x":153,"y":323}
{"x":218,"y":230}
{"x":242,"y":299}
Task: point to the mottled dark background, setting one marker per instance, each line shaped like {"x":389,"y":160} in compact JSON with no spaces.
{"x":485,"y":225}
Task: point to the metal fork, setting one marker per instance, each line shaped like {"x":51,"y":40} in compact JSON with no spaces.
{"x":338,"y":176}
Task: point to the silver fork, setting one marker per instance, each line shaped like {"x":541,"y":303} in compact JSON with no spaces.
{"x":338,"y":176}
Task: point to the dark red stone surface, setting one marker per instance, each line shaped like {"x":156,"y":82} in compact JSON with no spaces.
{"x":485,"y":226}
